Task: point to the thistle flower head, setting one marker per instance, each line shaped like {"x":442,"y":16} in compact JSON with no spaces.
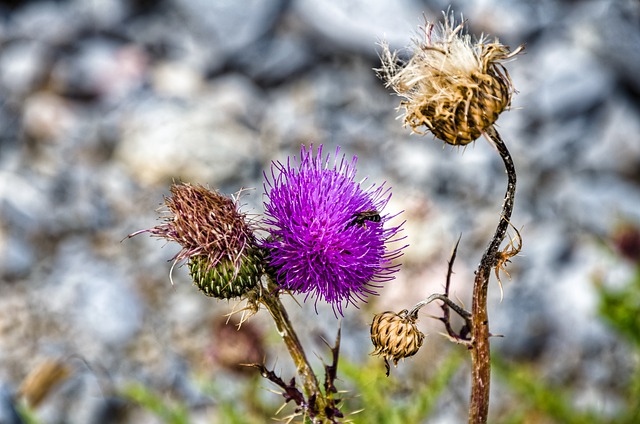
{"x":395,"y":336}
{"x":452,"y":86}
{"x":328,"y":239}
{"x":216,"y":239}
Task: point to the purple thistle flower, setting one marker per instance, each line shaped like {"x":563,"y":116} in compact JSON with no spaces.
{"x":327,"y":236}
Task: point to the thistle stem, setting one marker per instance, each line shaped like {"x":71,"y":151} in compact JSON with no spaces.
{"x":480,"y":347}
{"x":311,"y":387}
{"x":442,"y":297}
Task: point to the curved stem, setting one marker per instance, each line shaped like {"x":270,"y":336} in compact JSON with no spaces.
{"x":444,"y":298}
{"x":509,"y":197}
{"x":480,"y":348}
{"x":459,"y":338}
{"x":310,"y":384}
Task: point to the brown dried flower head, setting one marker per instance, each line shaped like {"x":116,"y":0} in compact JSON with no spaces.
{"x":395,"y":336}
{"x":43,"y":379}
{"x":452,"y":86}
{"x":216,"y":239}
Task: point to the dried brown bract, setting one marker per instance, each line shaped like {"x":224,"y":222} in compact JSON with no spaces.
{"x":504,"y":256}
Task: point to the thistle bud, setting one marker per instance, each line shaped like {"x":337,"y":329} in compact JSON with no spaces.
{"x":226,"y":280}
{"x":452,"y":86}
{"x":395,"y":336}
{"x":217,"y":240}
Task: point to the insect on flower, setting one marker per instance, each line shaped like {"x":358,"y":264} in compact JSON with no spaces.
{"x":309,"y":200}
{"x":360,"y":218}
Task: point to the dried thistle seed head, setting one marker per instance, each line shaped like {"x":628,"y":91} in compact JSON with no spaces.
{"x":395,"y":336}
{"x":452,"y":86}
{"x":217,"y":240}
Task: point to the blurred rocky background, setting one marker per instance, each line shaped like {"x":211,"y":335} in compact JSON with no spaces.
{"x":104,"y":103}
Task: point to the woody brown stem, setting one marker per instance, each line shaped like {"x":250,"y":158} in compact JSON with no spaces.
{"x":480,"y":348}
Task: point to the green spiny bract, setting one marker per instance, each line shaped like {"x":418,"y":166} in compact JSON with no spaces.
{"x":226,"y":280}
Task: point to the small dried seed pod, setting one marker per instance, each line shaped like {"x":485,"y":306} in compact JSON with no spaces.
{"x":395,"y":336}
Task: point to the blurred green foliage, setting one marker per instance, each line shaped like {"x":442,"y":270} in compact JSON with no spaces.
{"x":392,"y":400}
{"x":620,"y":308}
{"x":168,"y":412}
{"x":371,"y":397}
{"x":539,"y":401}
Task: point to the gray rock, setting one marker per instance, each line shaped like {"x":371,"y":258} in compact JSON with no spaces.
{"x":51,"y":23}
{"x":570,"y":80}
{"x":230,"y":26}
{"x":209,"y":139}
{"x":8,"y":412}
{"x":276,"y":59}
{"x":100,"y":68}
{"x":610,"y":31}
{"x":22,"y":66}
{"x":95,"y":299}
{"x":356,"y":25}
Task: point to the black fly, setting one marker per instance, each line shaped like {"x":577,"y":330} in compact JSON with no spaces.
{"x":360,"y":218}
